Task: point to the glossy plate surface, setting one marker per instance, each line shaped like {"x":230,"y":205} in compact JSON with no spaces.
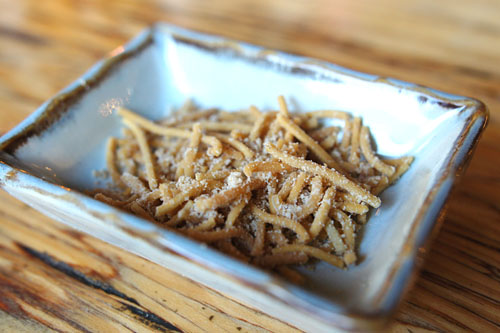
{"x":50,"y":158}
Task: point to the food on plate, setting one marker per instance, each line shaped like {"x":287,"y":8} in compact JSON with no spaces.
{"x":275,"y":189}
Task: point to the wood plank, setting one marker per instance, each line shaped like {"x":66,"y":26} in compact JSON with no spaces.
{"x":46,"y":280}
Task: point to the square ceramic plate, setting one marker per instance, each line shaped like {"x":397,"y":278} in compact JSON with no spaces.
{"x":49,"y":159}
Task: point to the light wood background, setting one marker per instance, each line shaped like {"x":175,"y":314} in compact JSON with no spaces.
{"x":52,"y":278}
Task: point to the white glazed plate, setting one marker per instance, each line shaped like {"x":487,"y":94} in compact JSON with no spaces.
{"x":49,"y":159}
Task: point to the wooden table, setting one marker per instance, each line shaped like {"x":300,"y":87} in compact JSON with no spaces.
{"x":52,"y":278}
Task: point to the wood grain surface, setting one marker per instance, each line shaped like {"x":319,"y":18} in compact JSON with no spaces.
{"x":53,"y":278}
